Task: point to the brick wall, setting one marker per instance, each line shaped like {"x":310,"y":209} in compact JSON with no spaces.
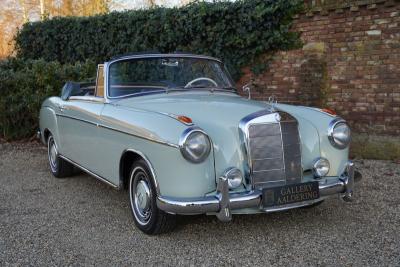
{"x":350,"y":62}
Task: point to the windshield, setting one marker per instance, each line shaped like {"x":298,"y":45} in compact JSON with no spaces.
{"x":139,"y":76}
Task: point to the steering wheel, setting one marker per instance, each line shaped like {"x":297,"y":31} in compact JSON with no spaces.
{"x":201,"y":79}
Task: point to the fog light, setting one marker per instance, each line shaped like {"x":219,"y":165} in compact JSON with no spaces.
{"x":321,"y":167}
{"x":234,"y":176}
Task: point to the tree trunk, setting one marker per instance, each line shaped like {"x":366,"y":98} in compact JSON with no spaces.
{"x":24,"y":10}
{"x":42,"y":10}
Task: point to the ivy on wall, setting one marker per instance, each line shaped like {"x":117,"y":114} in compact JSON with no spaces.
{"x":236,"y":32}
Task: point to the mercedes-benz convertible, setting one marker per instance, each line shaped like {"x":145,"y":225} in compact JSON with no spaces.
{"x":173,"y":130}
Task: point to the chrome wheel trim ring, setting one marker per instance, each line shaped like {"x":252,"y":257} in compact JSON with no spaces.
{"x":53,"y":154}
{"x":140,"y":196}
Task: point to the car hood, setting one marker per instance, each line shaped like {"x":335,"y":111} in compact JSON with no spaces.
{"x":219,"y":114}
{"x":207,"y":110}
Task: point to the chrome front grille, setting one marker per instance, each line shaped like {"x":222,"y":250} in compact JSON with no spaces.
{"x":273,"y":150}
{"x":291,"y":151}
{"x":266,"y":154}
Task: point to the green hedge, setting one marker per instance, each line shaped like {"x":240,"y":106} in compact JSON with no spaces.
{"x":236,"y":31}
{"x":47,"y":51}
{"x":24,"y":84}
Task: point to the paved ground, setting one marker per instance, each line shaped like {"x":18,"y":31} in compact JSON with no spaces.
{"x":80,"y":221}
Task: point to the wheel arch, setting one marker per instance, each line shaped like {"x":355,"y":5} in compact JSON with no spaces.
{"x":46,"y":134}
{"x":128,"y":157}
{"x":48,"y":121}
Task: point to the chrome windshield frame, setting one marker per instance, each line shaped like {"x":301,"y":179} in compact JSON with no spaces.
{"x":108,"y":64}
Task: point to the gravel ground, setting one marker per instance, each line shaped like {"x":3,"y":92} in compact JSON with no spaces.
{"x":81,"y":221}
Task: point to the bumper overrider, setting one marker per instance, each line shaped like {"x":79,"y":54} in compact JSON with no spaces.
{"x":224,"y":202}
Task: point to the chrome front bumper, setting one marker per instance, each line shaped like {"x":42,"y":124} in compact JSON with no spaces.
{"x":224,"y":202}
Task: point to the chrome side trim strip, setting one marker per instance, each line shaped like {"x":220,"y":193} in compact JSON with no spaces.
{"x":89,"y":172}
{"x":75,"y":118}
{"x":162,"y":142}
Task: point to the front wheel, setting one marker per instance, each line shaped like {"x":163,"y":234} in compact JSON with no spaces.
{"x":142,"y":197}
{"x":58,"y":166}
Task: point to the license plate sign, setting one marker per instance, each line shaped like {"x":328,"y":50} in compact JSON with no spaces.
{"x":282,"y":195}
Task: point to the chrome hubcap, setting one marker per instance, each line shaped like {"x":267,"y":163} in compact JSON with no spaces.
{"x":52,"y":154}
{"x":140,"y":197}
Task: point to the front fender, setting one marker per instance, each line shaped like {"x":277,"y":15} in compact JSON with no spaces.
{"x":48,"y":120}
{"x":319,"y":121}
{"x":156,"y":136}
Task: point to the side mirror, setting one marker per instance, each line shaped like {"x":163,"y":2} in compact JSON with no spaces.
{"x":247,"y":88}
{"x":70,"y":89}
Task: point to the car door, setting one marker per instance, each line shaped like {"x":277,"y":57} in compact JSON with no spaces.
{"x":78,"y":121}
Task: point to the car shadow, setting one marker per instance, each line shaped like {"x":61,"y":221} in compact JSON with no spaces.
{"x":320,"y":216}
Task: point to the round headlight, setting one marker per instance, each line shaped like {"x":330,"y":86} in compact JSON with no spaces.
{"x":339,"y":134}
{"x":321,"y":167}
{"x":195,"y":145}
{"x":234,"y":177}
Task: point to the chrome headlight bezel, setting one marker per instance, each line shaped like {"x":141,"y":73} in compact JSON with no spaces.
{"x":340,"y":144}
{"x":184,"y":143}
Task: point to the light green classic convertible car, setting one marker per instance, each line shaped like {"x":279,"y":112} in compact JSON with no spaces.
{"x":172,"y":129}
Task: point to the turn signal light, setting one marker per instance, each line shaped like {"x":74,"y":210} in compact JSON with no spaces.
{"x":185,"y":119}
{"x":329,"y":111}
